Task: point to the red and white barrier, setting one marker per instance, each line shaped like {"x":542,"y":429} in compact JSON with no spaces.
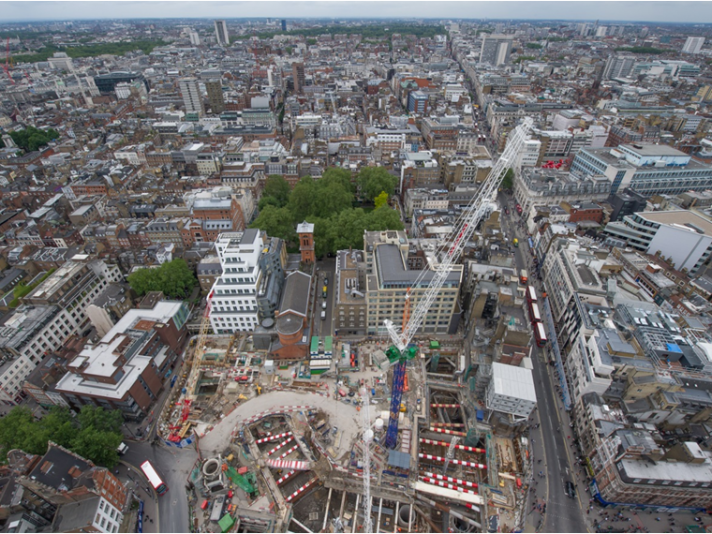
{"x":456,"y":425}
{"x":273,"y":438}
{"x":290,"y":451}
{"x":301,"y":490}
{"x":286,"y":477}
{"x":294,"y":465}
{"x":270,"y":453}
{"x":451,"y":479}
{"x":453,"y":461}
{"x":446,"y":444}
{"x":446,"y":485}
{"x":444,"y":405}
{"x":446,"y":431}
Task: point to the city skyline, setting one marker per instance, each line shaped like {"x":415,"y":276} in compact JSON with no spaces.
{"x":652,"y":12}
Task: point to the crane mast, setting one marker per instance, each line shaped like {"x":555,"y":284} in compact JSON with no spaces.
{"x":471,"y":217}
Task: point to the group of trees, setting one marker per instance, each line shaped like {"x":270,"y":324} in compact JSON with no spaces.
{"x":641,"y":50}
{"x":94,"y":50}
{"x":328,"y":203}
{"x":174,"y":278}
{"x":94,"y":433}
{"x":31,"y":138}
{"x":369,"y":31}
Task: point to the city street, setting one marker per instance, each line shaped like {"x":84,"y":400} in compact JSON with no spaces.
{"x":551,"y":455}
{"x":173,"y":466}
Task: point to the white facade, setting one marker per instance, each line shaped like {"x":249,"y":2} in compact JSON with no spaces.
{"x":585,"y":370}
{"x":685,"y":236}
{"x":122,"y":90}
{"x":234,"y":302}
{"x":107,"y":518}
{"x":192,"y":99}
{"x":693,"y":45}
{"x":511,"y":390}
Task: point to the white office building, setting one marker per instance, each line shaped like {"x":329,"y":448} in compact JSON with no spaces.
{"x":234,"y":305}
{"x":682,"y":235}
{"x":221,"y":33}
{"x":192,"y":99}
{"x":693,"y":45}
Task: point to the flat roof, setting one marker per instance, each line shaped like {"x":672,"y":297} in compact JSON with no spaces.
{"x":653,"y":150}
{"x":512,"y":381}
{"x":680,"y":218}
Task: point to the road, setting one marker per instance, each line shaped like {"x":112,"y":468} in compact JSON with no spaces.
{"x":173,"y":465}
{"x":325,"y":327}
{"x":551,"y":455}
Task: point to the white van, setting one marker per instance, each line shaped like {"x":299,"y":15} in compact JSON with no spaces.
{"x":121,"y":449}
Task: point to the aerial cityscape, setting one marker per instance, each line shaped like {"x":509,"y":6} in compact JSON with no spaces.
{"x":355,"y":267}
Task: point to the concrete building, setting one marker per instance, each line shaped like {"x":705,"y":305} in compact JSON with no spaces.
{"x":350,"y":283}
{"x":647,"y":169}
{"x":495,"y":49}
{"x":292,"y":318}
{"x":693,"y":45}
{"x":682,"y":235}
{"x":208,"y":271}
{"x":192,"y":98}
{"x":567,"y":270}
{"x":108,"y":307}
{"x":389,"y":275}
{"x":215,"y":96}
{"x":124,"y":371}
{"x":221,"y":33}
{"x":299,"y":77}
{"x":419,"y":169}
{"x":618,"y":67}
{"x":511,"y":391}
{"x":54,"y":311}
{"x":418,"y":102}
{"x":535,"y":186}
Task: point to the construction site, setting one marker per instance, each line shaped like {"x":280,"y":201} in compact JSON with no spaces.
{"x":400,"y":432}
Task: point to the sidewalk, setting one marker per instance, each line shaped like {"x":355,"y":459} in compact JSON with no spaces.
{"x":136,"y":483}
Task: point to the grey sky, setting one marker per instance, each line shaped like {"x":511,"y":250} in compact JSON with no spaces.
{"x":699,"y":12}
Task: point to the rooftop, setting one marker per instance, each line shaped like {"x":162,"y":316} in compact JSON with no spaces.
{"x":689,"y":219}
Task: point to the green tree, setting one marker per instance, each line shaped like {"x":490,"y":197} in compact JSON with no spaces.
{"x":374,"y":180}
{"x":278,"y":188}
{"x":32,"y":138}
{"x":383,"y":218}
{"x":174,"y":278}
{"x":18,"y":430}
{"x":381,"y":200}
{"x":534,"y":46}
{"x":277,"y":222}
{"x":97,"y":446}
{"x":100,"y":419}
{"x":322,"y":236}
{"x":340,"y":176}
{"x":508,"y":180}
{"x":330,"y":196}
{"x":302,"y":198}
{"x":267,"y":201}
{"x":346,"y":229}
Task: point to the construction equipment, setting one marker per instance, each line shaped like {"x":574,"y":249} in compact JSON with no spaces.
{"x":8,"y":61}
{"x":400,"y":352}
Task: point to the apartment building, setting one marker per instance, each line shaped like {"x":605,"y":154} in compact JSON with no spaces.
{"x":683,"y":236}
{"x":125,"y":370}
{"x":419,"y":169}
{"x":570,"y":269}
{"x":388,"y":276}
{"x":54,"y":311}
{"x":535,"y":186}
{"x":249,"y":288}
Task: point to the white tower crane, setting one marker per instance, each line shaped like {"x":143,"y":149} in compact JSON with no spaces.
{"x":473,"y":214}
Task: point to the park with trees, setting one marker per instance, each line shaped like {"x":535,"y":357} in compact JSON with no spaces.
{"x":339,"y":209}
{"x":94,"y":433}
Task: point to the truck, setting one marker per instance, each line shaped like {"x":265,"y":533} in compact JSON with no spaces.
{"x":523,"y":277}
